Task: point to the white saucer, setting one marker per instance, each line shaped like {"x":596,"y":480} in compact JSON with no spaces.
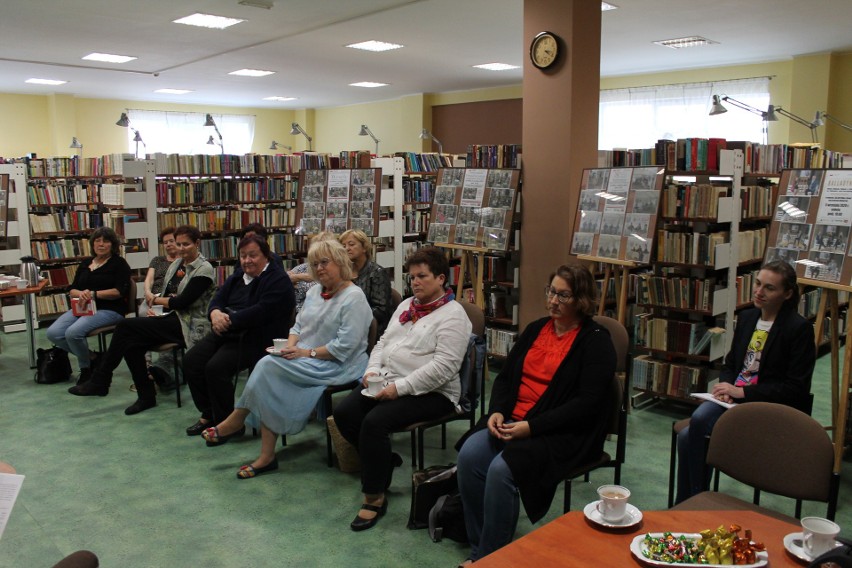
{"x":273,"y":352}
{"x":797,"y":550}
{"x":366,"y":393}
{"x":632,"y":518}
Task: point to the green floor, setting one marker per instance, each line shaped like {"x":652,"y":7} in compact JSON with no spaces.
{"x":140,"y":493}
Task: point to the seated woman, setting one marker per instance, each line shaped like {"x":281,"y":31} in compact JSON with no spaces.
{"x":253,"y":307}
{"x":300,"y":275}
{"x":369,"y":276}
{"x":771,"y":342}
{"x":185,"y":324}
{"x":419,"y":356}
{"x":548,"y":414}
{"x":326,"y":346}
{"x":103,"y":280}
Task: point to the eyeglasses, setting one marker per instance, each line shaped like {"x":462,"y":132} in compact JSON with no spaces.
{"x":321,"y":263}
{"x":561,"y":297}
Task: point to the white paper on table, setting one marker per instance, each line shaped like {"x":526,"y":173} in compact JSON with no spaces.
{"x":10,"y":486}
{"x":711,"y":398}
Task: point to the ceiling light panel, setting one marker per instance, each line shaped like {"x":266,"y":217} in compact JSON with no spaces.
{"x":279,"y":99}
{"x":368,"y":84}
{"x":173,"y":91}
{"x":374,"y":45}
{"x":496,"y":66}
{"x":45,"y":81}
{"x":208,"y":21}
{"x":108,"y":58}
{"x":681,"y":42}
{"x":251,"y":72}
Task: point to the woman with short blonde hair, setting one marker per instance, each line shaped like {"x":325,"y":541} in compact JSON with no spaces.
{"x":369,"y":276}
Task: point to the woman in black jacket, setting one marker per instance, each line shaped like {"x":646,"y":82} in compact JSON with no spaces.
{"x":253,"y":307}
{"x":369,"y":276}
{"x":548,"y":414}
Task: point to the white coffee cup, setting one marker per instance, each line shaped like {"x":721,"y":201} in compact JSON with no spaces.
{"x":279,"y":344}
{"x":158,"y":310}
{"x":818,"y":535}
{"x":375,"y":384}
{"x":21,"y":283}
{"x":613,"y":504}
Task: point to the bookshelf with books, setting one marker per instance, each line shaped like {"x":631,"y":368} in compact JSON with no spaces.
{"x":15,"y":240}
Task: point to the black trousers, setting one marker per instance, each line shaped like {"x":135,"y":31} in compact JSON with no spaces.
{"x":209,"y":368}
{"x":367,"y":424}
{"x":131,"y":340}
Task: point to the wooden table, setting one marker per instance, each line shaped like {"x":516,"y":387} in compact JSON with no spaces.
{"x":571,"y":540}
{"x":27,"y":293}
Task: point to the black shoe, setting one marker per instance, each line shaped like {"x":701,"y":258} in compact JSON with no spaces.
{"x":396,"y":461}
{"x":197,"y":428}
{"x":224,"y":439}
{"x":89,"y":389}
{"x":85,"y":375}
{"x":362,"y":524}
{"x":140,"y":405}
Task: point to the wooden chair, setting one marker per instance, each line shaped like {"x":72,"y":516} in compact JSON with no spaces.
{"x":618,"y":412}
{"x":774,"y":448}
{"x":178,"y":351}
{"x":102,"y":332}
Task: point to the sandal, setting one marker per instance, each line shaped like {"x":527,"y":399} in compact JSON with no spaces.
{"x":247,"y":471}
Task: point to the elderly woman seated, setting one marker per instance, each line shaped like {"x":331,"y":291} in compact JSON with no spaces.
{"x":369,"y":276}
{"x":419,"y":358}
{"x":326,"y":346}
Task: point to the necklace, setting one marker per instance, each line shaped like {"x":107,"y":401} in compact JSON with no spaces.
{"x":97,"y":264}
{"x":329,"y":295}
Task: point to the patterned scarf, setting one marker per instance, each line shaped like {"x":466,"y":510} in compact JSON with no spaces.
{"x":416,"y":310}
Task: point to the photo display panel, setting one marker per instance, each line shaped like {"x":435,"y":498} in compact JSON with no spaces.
{"x":338,"y":200}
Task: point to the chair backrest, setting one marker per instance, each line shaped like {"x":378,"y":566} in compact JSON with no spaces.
{"x":476,"y":317}
{"x":775,"y":448}
{"x":131,"y":298}
{"x":396,"y":300}
{"x":371,"y":335}
{"x":620,"y":340}
{"x":472,"y":373}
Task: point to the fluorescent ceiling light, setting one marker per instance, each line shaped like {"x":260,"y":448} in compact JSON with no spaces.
{"x":374,"y":45}
{"x":251,"y":72}
{"x":45,"y":82}
{"x":681,"y":42}
{"x":173,"y":91}
{"x":606,"y":6}
{"x":265,"y":4}
{"x":208,"y":21}
{"x":279,"y":99}
{"x":496,"y":66}
{"x":368,"y":84}
{"x":109,"y":58}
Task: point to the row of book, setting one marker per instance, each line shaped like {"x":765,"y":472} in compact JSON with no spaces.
{"x":689,"y":248}
{"x":752,"y":243}
{"x":228,"y":164}
{"x":499,"y":341}
{"x":110,"y":164}
{"x":670,"y":379}
{"x":60,"y":192}
{"x":687,"y":201}
{"x":60,"y":248}
{"x":494,"y":156}
{"x":675,"y":292}
{"x":354,"y":159}
{"x":229,"y":219}
{"x":61,"y":275}
{"x":758,"y":201}
{"x":171,"y":192}
{"x":501,"y":304}
{"x":669,"y":335}
{"x":745,"y":287}
{"x":622,"y":157}
{"x":809,"y":301}
{"x":416,"y":220}
{"x":418,"y":190}
{"x":65,"y":221}
{"x":425,"y":162}
{"x":52,"y":304}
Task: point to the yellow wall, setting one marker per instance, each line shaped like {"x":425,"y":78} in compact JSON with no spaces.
{"x":839,"y":104}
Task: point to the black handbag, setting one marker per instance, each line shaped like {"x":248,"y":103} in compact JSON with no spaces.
{"x":446,"y":519}
{"x":52,"y":366}
{"x":427,"y":485}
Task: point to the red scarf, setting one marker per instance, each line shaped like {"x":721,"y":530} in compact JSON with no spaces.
{"x":416,"y":310}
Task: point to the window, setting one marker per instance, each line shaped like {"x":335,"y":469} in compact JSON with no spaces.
{"x":638,"y":117}
{"x":185,"y":133}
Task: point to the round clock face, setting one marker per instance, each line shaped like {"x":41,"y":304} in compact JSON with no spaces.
{"x":544,"y":50}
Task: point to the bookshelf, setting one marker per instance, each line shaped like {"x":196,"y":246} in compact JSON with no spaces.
{"x":392,"y":219}
{"x":16,"y":243}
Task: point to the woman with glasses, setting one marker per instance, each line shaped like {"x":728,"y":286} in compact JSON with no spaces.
{"x":548,"y":414}
{"x":326,"y":346}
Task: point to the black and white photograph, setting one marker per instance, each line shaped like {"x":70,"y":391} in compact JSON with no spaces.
{"x":805,"y":182}
{"x":363,"y":177}
{"x":472,"y":196}
{"x":793,"y":236}
{"x":336,"y":226}
{"x":311,"y":226}
{"x":495,"y":239}
{"x":637,"y":224}
{"x":582,"y":243}
{"x":609,"y":246}
{"x":312,"y":193}
{"x":338,"y":193}
{"x":499,"y":178}
{"x":365,"y":225}
{"x":314,"y":210}
{"x":445,"y":194}
{"x":789,"y":256}
{"x":364,"y":193}
{"x":445,"y":214}
{"x":315,"y":177}
{"x":361,"y":209}
{"x":590,"y":200}
{"x":646,"y":202}
{"x":830,"y":238}
{"x":824,"y":266}
{"x":453,"y":177}
{"x":438,"y":233}
{"x":612,"y":223}
{"x":793,"y":209}
{"x":466,"y":235}
{"x":501,"y":197}
{"x":644,"y":178}
{"x":493,"y":217}
{"x":638,"y":250}
{"x":597,"y":179}
{"x":470,"y":216}
{"x":336,"y":210}
{"x":590,"y":221}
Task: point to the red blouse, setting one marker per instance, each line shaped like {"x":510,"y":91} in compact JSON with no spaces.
{"x":544,"y":357}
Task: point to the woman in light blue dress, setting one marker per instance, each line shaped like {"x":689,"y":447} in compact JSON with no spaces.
{"x":326,"y":346}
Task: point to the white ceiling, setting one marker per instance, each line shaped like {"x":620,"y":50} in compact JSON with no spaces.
{"x":303,"y":42}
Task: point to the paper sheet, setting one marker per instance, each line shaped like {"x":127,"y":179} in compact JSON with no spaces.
{"x":10,"y":485}
{"x":711,"y":398}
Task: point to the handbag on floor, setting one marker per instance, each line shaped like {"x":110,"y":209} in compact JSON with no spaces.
{"x":427,"y":485}
{"x":446,"y":519}
{"x":52,"y":366}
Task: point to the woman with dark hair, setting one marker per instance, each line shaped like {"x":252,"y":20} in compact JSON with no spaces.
{"x":250,"y":309}
{"x":548,"y":414}
{"x":771,"y":359}
{"x":419,"y":357}
{"x":369,"y":276}
{"x":103,"y":281}
{"x":185,"y":323}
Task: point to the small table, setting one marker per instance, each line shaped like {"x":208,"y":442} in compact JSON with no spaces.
{"x":27,"y":293}
{"x":573,"y":541}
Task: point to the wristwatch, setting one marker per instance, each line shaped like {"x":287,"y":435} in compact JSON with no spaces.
{"x":313,"y":353}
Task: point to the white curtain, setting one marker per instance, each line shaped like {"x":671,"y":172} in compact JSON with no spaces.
{"x":638,"y":117}
{"x":185,"y":133}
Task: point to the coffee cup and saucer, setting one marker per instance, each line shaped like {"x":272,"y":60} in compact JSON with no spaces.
{"x":612,"y":510}
{"x":375,"y":384}
{"x":815,"y":539}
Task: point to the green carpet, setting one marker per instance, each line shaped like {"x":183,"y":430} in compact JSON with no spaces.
{"x":138,"y":492}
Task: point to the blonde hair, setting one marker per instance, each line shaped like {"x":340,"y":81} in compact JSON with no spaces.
{"x":323,"y":236}
{"x":333,"y":251}
{"x":362,"y":238}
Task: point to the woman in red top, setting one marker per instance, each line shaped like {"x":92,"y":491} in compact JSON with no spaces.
{"x":548,"y":414}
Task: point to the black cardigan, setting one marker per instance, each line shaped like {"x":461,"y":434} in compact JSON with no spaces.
{"x":567,"y":424}
{"x":786,"y":362}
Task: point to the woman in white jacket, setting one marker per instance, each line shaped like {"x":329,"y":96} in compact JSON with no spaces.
{"x":419,"y":357}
